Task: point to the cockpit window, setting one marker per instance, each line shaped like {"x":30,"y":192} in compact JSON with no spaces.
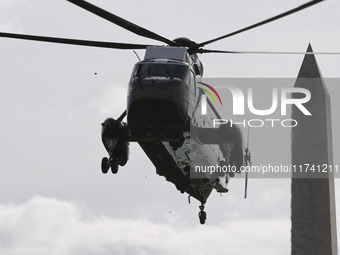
{"x":161,"y":70}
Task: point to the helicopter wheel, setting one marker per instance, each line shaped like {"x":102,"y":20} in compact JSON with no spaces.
{"x":114,"y":165}
{"x":202,"y":215}
{"x":105,"y":165}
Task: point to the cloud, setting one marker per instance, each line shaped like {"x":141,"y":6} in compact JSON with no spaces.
{"x":50,"y":226}
{"x":111,"y":101}
{"x":8,"y":17}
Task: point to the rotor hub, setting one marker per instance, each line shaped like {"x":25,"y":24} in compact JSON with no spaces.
{"x":186,"y":42}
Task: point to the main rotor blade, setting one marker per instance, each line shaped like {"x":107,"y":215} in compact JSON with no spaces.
{"x":111,"y":45}
{"x":263,"y":22}
{"x":268,"y":52}
{"x":121,"y":22}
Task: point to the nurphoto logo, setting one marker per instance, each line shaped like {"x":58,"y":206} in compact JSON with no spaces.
{"x":243,"y":101}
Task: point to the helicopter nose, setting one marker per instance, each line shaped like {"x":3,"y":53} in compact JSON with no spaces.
{"x":152,"y":89}
{"x":159,"y":103}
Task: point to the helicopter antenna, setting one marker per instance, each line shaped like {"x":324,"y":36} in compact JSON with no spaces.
{"x":137,"y":55}
{"x":247,"y":159}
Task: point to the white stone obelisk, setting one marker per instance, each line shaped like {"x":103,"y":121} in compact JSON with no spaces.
{"x":313,"y":198}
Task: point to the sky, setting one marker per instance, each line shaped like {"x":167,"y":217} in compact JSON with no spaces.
{"x":53,"y":196}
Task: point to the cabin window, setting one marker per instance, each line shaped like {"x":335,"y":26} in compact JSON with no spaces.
{"x":192,"y":82}
{"x":161,"y":70}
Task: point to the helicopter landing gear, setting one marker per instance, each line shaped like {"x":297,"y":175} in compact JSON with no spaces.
{"x":202,"y":215}
{"x":105,"y":165}
{"x":114,"y":165}
{"x":109,"y":163}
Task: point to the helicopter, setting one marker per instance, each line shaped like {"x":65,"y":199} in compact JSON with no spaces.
{"x":163,"y":109}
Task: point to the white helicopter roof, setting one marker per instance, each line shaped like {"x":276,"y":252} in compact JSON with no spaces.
{"x":167,"y":52}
